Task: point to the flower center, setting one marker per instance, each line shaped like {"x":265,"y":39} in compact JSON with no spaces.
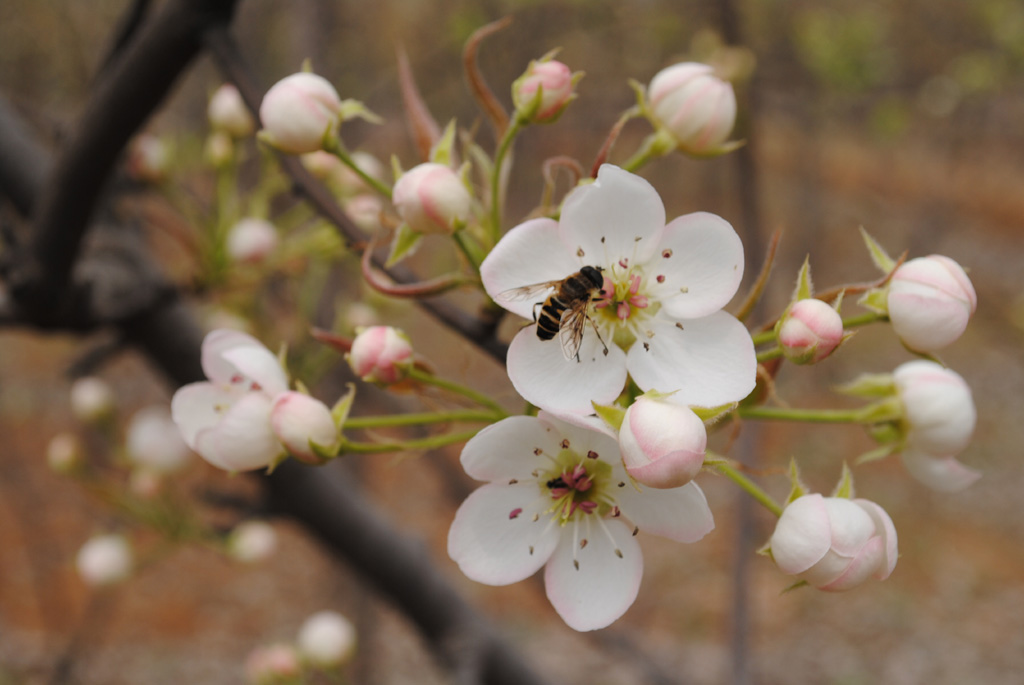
{"x":577,"y":486}
{"x":624,"y":304}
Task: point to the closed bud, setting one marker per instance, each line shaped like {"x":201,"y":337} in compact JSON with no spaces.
{"x":104,"y":560}
{"x":327,"y":639}
{"x":219,"y":149}
{"x":431,"y":198}
{"x":251,"y":240}
{"x":297,"y":111}
{"x":834,"y":543}
{"x":298,"y":420}
{"x":364,"y":210}
{"x":148,"y":158}
{"x":695,"y":107}
{"x":92,"y":400}
{"x":930,"y":301}
{"x":938,"y":410}
{"x":381,"y":354}
{"x":555,"y":83}
{"x":274,"y":664}
{"x":252,"y":541}
{"x":322,"y":164}
{"x":227,"y":112}
{"x":809,"y":331}
{"x":154,"y":443}
{"x":662,"y":444}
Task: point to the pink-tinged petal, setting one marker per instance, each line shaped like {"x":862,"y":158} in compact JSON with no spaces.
{"x":528,"y":254}
{"x":802,"y":535}
{"x":215,"y":344}
{"x":618,"y":216}
{"x":866,"y":564}
{"x":242,"y":440}
{"x":542,"y":375}
{"x":887,"y":531}
{"x":509,"y":449}
{"x":680,"y":514}
{"x":831,"y":567}
{"x":604,"y":585}
{"x":494,"y":538}
{"x":259,"y":365}
{"x":194,"y":407}
{"x":942,"y":474}
{"x":701,"y":258}
{"x":708,"y":362}
{"x":852,"y":526}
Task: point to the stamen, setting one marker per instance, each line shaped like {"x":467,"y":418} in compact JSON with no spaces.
{"x":531,"y":550}
{"x":579,"y":252}
{"x":592,"y":454}
{"x":513,"y":481}
{"x":611,"y":538}
{"x":679,"y":325}
{"x":583,"y":543}
{"x":660,"y":278}
{"x":666,"y":253}
{"x":636,"y":529}
{"x":514,"y":514}
{"x":565,"y":443}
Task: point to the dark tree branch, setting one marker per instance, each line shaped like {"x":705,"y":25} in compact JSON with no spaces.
{"x":24,"y":164}
{"x":127,"y":27}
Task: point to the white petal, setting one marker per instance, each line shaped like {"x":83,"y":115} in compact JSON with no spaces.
{"x":680,"y":514}
{"x":852,"y":526}
{"x":942,"y":474}
{"x":605,"y":585}
{"x":709,"y":361}
{"x":585,"y":434}
{"x":619,"y":216}
{"x":869,"y":561}
{"x":802,"y":535}
{"x":215,"y":344}
{"x":887,"y":531}
{"x":495,"y":543}
{"x":542,"y":375}
{"x":259,"y":365}
{"x":242,"y":440}
{"x":528,"y":254}
{"x":194,"y":408}
{"x":701,"y":257}
{"x":507,"y":449}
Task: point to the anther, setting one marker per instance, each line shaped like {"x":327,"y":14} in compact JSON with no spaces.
{"x":576,"y":563}
{"x":538,"y":451}
{"x":514,"y":514}
{"x":565,"y":443}
{"x":618,"y":553}
{"x":592,"y":454}
{"x":666,"y":253}
{"x":513,"y":481}
{"x":636,"y":529}
{"x":647,"y":347}
{"x":679,"y":325}
{"x":579,"y":252}
{"x":660,"y":278}
{"x":531,"y":550}
{"x":583,"y":543}
{"x":684,"y":290}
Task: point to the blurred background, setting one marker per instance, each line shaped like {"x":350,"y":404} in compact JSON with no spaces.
{"x":901,"y":116}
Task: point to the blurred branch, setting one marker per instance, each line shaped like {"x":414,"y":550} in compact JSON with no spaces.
{"x":24,"y":163}
{"x":127,"y":27}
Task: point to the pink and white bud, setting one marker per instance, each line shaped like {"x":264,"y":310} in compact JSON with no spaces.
{"x":322,"y":164}
{"x":252,"y":541}
{"x":810,"y":331}
{"x":662,"y":444}
{"x":92,"y":400}
{"x":556,"y":84}
{"x":250,"y":241}
{"x":381,"y":354}
{"x":154,"y":442}
{"x":834,"y":543}
{"x":938,"y":409}
{"x":364,"y":210}
{"x":272,"y":665}
{"x":64,"y":453}
{"x":148,"y":158}
{"x":694,"y":106}
{"x":431,"y":198}
{"x":298,"y":420}
{"x":219,"y":149}
{"x":297,"y":111}
{"x":227,"y":112}
{"x":104,"y":560}
{"x":930,"y":301}
{"x":327,"y":639}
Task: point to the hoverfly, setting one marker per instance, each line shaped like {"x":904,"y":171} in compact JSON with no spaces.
{"x":565,"y":311}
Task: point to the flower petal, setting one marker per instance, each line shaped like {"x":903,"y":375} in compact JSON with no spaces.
{"x":259,"y":365}
{"x":869,"y":559}
{"x":585,"y":434}
{"x":942,"y":474}
{"x":494,"y":538}
{"x":680,"y":514}
{"x":542,"y":375}
{"x":701,"y":258}
{"x":215,"y":344}
{"x":852,"y":526}
{"x":802,"y":535}
{"x":194,"y":408}
{"x":529,"y":254}
{"x":618,"y":216}
{"x":242,"y":440}
{"x":604,"y":585}
{"x":507,"y":449}
{"x":708,"y":361}
{"x":887,"y":531}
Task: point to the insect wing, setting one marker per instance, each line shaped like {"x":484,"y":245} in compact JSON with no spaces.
{"x":570,"y":331}
{"x":526,"y":292}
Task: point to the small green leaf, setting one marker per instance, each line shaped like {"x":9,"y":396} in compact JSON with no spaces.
{"x":804,"y":287}
{"x":794,"y":586}
{"x":797,"y":488}
{"x":354,"y":109}
{"x":875,"y":299}
{"x":844,"y":488}
{"x":441,"y":152}
{"x":341,"y":408}
{"x":710,"y":415}
{"x":869,"y":385}
{"x":404,"y":244}
{"x":612,"y":414}
{"x":876,"y":454}
{"x":879,"y":256}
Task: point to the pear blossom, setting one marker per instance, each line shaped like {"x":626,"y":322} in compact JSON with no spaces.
{"x":327,"y":639}
{"x":92,"y":400}
{"x":227,"y":112}
{"x":104,"y":560}
{"x":555,"y":82}
{"x":834,"y":543}
{"x":298,"y":111}
{"x":657,"y":318}
{"x":251,"y":240}
{"x":930,"y":301}
{"x":809,"y":331}
{"x":226,"y":419}
{"x":662,"y":444}
{"x":431,"y":198}
{"x":381,"y":354}
{"x":695,"y":107}
{"x":299,"y":420}
{"x":153,"y":441}
{"x":938,"y":421}
{"x":252,"y":541}
{"x":558,"y":497}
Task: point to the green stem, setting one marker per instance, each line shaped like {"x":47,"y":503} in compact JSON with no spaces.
{"x":470,"y":248}
{"x":336,"y":149}
{"x":655,"y":145}
{"x":749,"y":486}
{"x":452,"y":386}
{"x":356,"y":422}
{"x":433,"y":442}
{"x":805,"y":415}
{"x":763,"y":337}
{"x":767,"y":355}
{"x":863,"y":319}
{"x":499,"y":160}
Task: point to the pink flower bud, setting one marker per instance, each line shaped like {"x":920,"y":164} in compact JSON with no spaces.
{"x":322,"y":164}
{"x":810,"y":331}
{"x":431,"y":198}
{"x":219,"y":149}
{"x":297,"y":111}
{"x":834,"y":543}
{"x":272,"y":665}
{"x":92,"y":400}
{"x":227,"y":112}
{"x":364,"y":210}
{"x":554,"y":79}
{"x":327,"y":639}
{"x":381,"y":354}
{"x":298,"y":420}
{"x":148,"y":158}
{"x":104,"y":560}
{"x":938,"y":410}
{"x":251,"y":240}
{"x":930,"y":301}
{"x":252,"y":541}
{"x":662,"y":444}
{"x":694,"y":106}
{"x":154,"y":442}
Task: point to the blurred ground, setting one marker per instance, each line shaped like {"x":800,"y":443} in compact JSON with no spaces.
{"x":902,"y":117}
